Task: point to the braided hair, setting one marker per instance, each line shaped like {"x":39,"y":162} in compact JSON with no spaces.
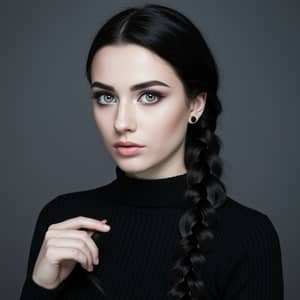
{"x":173,"y":37}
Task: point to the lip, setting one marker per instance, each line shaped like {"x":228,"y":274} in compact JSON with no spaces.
{"x":128,"y":151}
{"x":127,"y":144}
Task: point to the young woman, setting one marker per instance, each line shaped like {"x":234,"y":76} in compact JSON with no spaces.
{"x":174,"y":232}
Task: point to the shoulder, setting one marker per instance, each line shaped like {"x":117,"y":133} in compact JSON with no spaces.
{"x":75,"y":202}
{"x":248,"y":256}
{"x":246,"y":228}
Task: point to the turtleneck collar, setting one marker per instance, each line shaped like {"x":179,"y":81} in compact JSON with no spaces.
{"x":161,"y":192}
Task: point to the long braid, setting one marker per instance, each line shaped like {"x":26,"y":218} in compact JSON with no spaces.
{"x":206,"y":192}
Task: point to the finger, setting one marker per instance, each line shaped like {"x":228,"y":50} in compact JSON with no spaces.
{"x":81,"y":222}
{"x":89,"y":232}
{"x":76,"y":234}
{"x":58,"y":254}
{"x":94,"y":248}
{"x":72,"y":243}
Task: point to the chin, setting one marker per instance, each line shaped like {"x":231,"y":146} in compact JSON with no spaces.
{"x":133,"y":167}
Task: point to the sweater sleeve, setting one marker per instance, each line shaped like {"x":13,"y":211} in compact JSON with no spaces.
{"x":30,"y":289}
{"x":256,"y":270}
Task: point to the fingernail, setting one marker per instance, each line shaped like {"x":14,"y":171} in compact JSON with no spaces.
{"x":106,"y":226}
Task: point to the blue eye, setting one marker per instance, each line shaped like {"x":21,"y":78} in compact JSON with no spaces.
{"x":157,"y":96}
{"x":98,"y":95}
{"x":154,"y":95}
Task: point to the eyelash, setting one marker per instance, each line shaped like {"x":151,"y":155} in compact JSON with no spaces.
{"x":154,"y":93}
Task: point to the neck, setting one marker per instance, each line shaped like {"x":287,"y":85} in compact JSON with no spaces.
{"x":158,"y":192}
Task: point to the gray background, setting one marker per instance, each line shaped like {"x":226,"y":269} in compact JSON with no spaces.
{"x":50,"y":144}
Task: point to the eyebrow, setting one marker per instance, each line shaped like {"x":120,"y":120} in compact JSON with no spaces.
{"x":135,"y":87}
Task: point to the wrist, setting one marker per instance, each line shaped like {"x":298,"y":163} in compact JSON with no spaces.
{"x":49,"y":287}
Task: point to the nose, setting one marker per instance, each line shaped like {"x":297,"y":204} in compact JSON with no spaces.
{"x":125,"y":119}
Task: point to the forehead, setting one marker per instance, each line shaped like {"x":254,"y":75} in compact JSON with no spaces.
{"x":130,"y":64}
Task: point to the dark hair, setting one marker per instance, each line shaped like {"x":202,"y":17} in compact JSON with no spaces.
{"x":173,"y":37}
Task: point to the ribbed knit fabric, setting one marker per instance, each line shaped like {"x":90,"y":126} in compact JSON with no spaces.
{"x":136,"y":255}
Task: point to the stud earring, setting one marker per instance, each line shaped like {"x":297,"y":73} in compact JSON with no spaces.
{"x":193,"y":119}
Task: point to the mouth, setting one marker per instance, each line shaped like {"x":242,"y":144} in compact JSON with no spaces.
{"x":127,"y":144}
{"x":128,"y":150}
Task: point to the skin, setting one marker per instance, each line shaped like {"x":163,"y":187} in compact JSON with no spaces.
{"x":159,"y":124}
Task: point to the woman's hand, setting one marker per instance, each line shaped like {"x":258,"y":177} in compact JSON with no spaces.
{"x":63,"y":246}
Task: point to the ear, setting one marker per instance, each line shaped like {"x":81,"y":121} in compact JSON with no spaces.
{"x":198,"y":104}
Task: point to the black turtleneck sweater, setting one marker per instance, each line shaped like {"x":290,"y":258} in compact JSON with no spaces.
{"x":136,"y":254}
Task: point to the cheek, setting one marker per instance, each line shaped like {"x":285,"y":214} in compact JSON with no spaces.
{"x":165,"y":126}
{"x":174,"y":129}
{"x":102,"y":124}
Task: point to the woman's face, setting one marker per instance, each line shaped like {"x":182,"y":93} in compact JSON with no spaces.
{"x":154,"y":116}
